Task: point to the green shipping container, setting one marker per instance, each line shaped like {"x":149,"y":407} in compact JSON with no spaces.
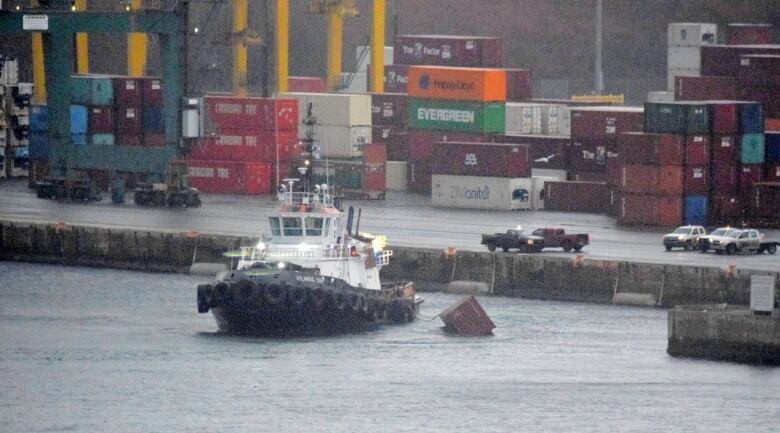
{"x":484,"y":117}
{"x":102,"y":91}
{"x":698,"y":119}
{"x":103,"y":139}
{"x":341,"y":173}
{"x":80,"y":89}
{"x":752,"y":151}
{"x":677,"y":118}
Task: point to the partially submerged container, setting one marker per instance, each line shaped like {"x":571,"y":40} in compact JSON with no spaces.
{"x":467,"y":317}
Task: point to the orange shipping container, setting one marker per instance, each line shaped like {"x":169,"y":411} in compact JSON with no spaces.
{"x":463,"y":84}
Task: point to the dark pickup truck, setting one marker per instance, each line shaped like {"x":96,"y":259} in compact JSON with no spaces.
{"x":536,"y":240}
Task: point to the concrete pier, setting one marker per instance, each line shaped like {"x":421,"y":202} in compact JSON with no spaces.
{"x":725,"y":333}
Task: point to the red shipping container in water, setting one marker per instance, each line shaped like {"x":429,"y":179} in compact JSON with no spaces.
{"x":129,"y":140}
{"x":388,"y":109}
{"x":248,"y":146}
{"x":306,"y":84}
{"x":605,"y":122}
{"x":724,"y":60}
{"x":772,"y":173}
{"x":705,"y":88}
{"x":375,"y":153}
{"x":544,"y":152}
{"x":697,"y":150}
{"x":725,"y":178}
{"x":481,"y":159}
{"x":652,"y":179}
{"x":749,"y":34}
{"x":697,"y":179}
{"x":418,"y":175}
{"x":227,"y":113}
{"x":421,"y":141}
{"x":576,"y":196}
{"x":725,"y":148}
{"x":750,"y":175}
{"x":725,"y":117}
{"x":726,"y":209}
{"x":129,"y":120}
{"x":519,"y":85}
{"x":446,"y":50}
{"x":153,"y":92}
{"x":466,"y":317}
{"x":648,"y":148}
{"x":650,"y":210}
{"x":230,"y":177}
{"x":101,"y":119}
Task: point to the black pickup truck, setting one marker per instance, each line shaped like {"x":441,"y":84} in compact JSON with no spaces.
{"x":520,"y":239}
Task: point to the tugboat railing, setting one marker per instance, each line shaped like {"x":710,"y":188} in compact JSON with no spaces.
{"x":307,"y":198}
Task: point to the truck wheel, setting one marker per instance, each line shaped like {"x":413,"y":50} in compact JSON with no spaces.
{"x":688,"y":245}
{"x":491,"y":247}
{"x":731,"y":249}
{"x":668,"y":247}
{"x":578,"y":247}
{"x":771,"y":249}
{"x":506,"y":249}
{"x":566,"y":246}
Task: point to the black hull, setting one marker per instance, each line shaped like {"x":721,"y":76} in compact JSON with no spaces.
{"x":294,"y":304}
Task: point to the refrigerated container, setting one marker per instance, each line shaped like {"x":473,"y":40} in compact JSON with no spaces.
{"x":334,"y":109}
{"x":479,"y":192}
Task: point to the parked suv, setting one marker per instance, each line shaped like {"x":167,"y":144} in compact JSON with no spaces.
{"x":706,"y":241}
{"x":684,"y":237}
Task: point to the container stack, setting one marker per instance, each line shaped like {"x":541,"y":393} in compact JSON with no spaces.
{"x":450,"y":104}
{"x":388,"y":127}
{"x":684,"y":54}
{"x":247,"y":139}
{"x":361,"y":178}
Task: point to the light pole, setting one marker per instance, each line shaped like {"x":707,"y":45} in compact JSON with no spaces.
{"x":599,"y":74}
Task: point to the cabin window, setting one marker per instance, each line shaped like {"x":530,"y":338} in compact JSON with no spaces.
{"x":327,"y":227}
{"x":313,"y":226}
{"x":276,"y":229}
{"x":292,"y":226}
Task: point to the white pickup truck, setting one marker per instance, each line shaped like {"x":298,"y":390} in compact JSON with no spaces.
{"x":743,"y":240}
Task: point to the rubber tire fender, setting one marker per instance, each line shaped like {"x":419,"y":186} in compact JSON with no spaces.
{"x":319,"y":298}
{"x":299,"y":295}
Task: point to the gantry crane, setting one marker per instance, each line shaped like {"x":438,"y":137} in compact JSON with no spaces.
{"x":336,"y":11}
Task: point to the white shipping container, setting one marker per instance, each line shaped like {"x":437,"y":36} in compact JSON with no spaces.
{"x":523,"y":118}
{"x":472,"y":192}
{"x":672,"y":73}
{"x":560,"y":175}
{"x":395,"y":175}
{"x":684,"y":58}
{"x":354,"y":82}
{"x":660,"y":96}
{"x":340,"y":141}
{"x":691,"y":34}
{"x":537,"y":196}
{"x":334,"y":109}
{"x":363,"y":60}
{"x":556,"y":120}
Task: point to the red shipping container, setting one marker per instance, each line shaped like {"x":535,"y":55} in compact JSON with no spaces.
{"x":576,"y":196}
{"x":724,"y":60}
{"x":725,"y":148}
{"x":765,"y":201}
{"x":605,"y":122}
{"x":466,"y":317}
{"x":652,"y":179}
{"x":373,"y":178}
{"x":101,"y":119}
{"x":725,"y":117}
{"x":396,"y":78}
{"x":544,"y":152}
{"x":481,"y":159}
{"x":648,"y":148}
{"x":761,"y":69}
{"x":725,"y":178}
{"x":519,"y":85}
{"x":591,"y":155}
{"x":650,"y":210}
{"x":614,"y":172}
{"x":227,"y":113}
{"x":421,"y":140}
{"x":750,"y":175}
{"x":388,"y":109}
{"x":446,"y":50}
{"x":154,"y":140}
{"x":153,"y":92}
{"x":394,"y":139}
{"x":772,"y":173}
{"x":248,"y":146}
{"x":697,"y":150}
{"x":230,"y":177}
{"x":697,"y":180}
{"x":129,"y":120}
{"x":418,"y":175}
{"x":129,"y":91}
{"x":129,"y":140}
{"x":726,"y":209}
{"x":590,"y":176}
{"x":306,"y":84}
{"x":702,"y":88}
{"x":768,"y":96}
{"x":749,"y":34}
{"x":374,"y":153}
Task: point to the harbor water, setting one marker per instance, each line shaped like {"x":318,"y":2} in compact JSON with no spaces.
{"x":85,"y":350}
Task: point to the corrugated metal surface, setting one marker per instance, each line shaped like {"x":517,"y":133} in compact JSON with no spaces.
{"x":395,"y":175}
{"x":466,"y":317}
{"x":102,"y":139}
{"x":421,"y":141}
{"x":724,"y":60}
{"x":375,"y":153}
{"x":460,"y":84}
{"x":519,"y":84}
{"x":129,"y":120}
{"x":418,"y":175}
{"x":388,"y":109}
{"x":154,"y":122}
{"x":153,"y":92}
{"x":761,"y":69}
{"x":544,"y":152}
{"x":698,"y":121}
{"x":334,"y":109}
{"x":227,"y":114}
{"x":772,"y":172}
{"x":129,"y":91}
{"x":652,"y":179}
{"x":481,"y":159}
{"x":342,"y":141}
{"x":704,"y":88}
{"x":696,"y":210}
{"x":697,"y":150}
{"x":752,"y":149}
{"x":261,"y":146}
{"x":677,"y":118}
{"x":484,"y":117}
{"x":39,"y":145}
{"x":591,"y":154}
{"x":306,"y":84}
{"x":697,"y":179}
{"x":765,"y":201}
{"x":102,"y":91}
{"x":750,"y":175}
{"x":725,"y":117}
{"x":39,"y":118}
{"x":648,"y":148}
{"x":726,"y":209}
{"x":576,"y":196}
{"x":523,"y":118}
{"x":101,"y":119}
{"x":79,"y":119}
{"x":643,"y":209}
{"x":751,"y":118}
{"x":230,"y":177}
{"x":725,"y":148}
{"x":395,"y":140}
{"x":605,"y":122}
{"x":725,"y":178}
{"x":748,"y":34}
{"x":446,"y":50}
{"x":683,"y":58}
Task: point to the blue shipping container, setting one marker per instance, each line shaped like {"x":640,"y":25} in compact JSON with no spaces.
{"x":696,"y":210}
{"x":751,"y":118}
{"x":39,"y":145}
{"x":79,"y":139}
{"x":153,"y":120}
{"x":79,"y":119}
{"x":39,"y":118}
{"x":772,"y":147}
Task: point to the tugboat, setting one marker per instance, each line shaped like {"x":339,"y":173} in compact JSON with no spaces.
{"x":311,"y":276}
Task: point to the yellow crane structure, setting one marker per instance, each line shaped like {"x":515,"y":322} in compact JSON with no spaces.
{"x":336,"y":11}
{"x":136,"y":47}
{"x":282,"y":44}
{"x":82,"y":42}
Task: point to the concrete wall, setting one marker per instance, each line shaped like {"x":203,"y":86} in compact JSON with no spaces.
{"x":538,"y":276}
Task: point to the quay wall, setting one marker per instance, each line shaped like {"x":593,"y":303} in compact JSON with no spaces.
{"x":537,"y":276}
